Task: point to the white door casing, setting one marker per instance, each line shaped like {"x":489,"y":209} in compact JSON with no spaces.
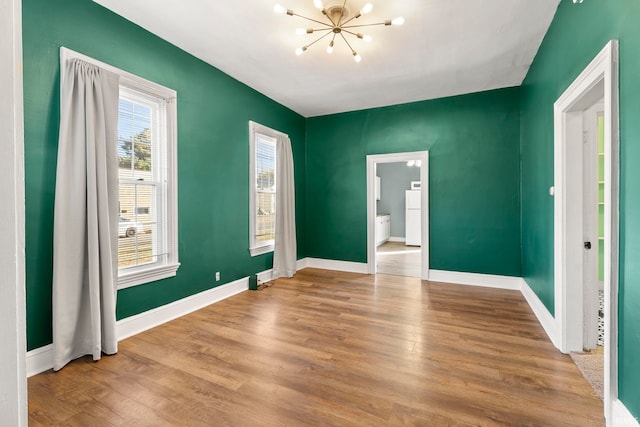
{"x":372,"y":160}
{"x":13,"y":376}
{"x":598,"y":80}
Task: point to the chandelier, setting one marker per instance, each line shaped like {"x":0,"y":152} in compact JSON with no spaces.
{"x":337,"y":22}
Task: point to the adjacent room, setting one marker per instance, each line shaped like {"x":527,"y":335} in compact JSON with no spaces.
{"x":320,"y":212}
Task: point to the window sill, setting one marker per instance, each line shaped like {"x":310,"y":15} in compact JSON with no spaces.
{"x":152,"y":274}
{"x":261,"y":250}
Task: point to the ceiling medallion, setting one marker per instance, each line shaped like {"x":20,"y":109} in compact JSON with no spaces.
{"x":337,"y":22}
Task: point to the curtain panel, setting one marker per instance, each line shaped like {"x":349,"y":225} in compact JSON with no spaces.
{"x":86,"y":215}
{"x":284,"y":250}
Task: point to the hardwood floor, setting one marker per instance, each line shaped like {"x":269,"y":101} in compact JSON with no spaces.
{"x":398,"y":259}
{"x":329,"y":348}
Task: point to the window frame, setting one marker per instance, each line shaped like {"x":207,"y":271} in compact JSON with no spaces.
{"x":255,"y":247}
{"x":146,"y":273}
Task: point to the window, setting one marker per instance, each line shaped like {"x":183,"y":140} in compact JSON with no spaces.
{"x":147,"y":247}
{"x":147,"y":172}
{"x":262,"y":224}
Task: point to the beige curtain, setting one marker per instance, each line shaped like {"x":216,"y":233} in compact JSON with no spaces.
{"x":284,"y":251}
{"x":86,"y":215}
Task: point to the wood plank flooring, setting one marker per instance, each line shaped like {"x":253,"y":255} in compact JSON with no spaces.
{"x":328,"y":348}
{"x":398,"y":259}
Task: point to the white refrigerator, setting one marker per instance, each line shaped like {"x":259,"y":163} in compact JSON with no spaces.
{"x":412,"y":219}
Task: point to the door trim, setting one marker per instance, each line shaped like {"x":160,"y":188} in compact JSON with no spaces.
{"x":13,"y":387}
{"x":568,"y":257}
{"x":372,"y":159}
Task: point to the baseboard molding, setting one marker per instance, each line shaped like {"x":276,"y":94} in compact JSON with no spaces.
{"x":621,"y":417}
{"x":133,"y":325}
{"x":476,"y":279}
{"x":397,"y":239}
{"x":41,"y":359}
{"x":324,"y":264}
{"x":346,"y":266}
{"x":545,"y":318}
{"x":267,"y":275}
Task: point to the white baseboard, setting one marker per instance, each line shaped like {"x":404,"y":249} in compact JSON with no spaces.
{"x":324,"y":264}
{"x":41,"y":359}
{"x":397,"y":239}
{"x":266,"y":276}
{"x":545,"y":318}
{"x":133,"y":325}
{"x":476,"y":279}
{"x":328,"y":264}
{"x":621,"y":417}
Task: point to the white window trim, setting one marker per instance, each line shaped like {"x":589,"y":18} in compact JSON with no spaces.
{"x":146,"y":274}
{"x":256,"y":248}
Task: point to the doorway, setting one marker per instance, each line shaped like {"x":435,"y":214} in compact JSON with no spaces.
{"x":373,"y":161}
{"x":590,"y":360}
{"x":398,"y":213}
{"x":575,"y":272}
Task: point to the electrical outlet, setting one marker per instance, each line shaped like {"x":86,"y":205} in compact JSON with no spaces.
{"x":217,"y":276}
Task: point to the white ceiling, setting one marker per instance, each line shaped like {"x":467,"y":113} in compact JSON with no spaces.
{"x":445,"y":47}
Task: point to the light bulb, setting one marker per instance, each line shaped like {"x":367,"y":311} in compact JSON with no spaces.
{"x":357,"y":57}
{"x":367,"y":38}
{"x":278,"y":8}
{"x":301,"y":31}
{"x":418,"y":163}
{"x":411,"y":163}
{"x":299,"y":51}
{"x":366,"y":9}
{"x":318,"y":4}
{"x":330,"y":47}
{"x":397,"y":21}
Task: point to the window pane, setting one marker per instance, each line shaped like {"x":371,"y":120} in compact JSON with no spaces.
{"x":265,"y":188}
{"x":265,"y":216}
{"x":265,"y":163}
{"x":134,"y":139}
{"x":138,"y":241}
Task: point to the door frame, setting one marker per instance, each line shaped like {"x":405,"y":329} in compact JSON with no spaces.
{"x":372,"y":160}
{"x":601,"y":75}
{"x":13,"y":387}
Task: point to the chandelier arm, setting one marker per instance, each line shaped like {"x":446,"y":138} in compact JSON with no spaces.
{"x":324,"y":12}
{"x":318,"y":39}
{"x":364,"y":25}
{"x":350,"y":32}
{"x":340,"y":23}
{"x":313,"y":20}
{"x":356,"y":16}
{"x":347,"y":42}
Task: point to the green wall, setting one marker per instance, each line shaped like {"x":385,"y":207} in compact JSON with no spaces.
{"x":474,"y":178}
{"x":577,"y":33}
{"x":213,"y":153}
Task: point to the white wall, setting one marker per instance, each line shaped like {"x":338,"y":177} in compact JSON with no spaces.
{"x":13,"y":385}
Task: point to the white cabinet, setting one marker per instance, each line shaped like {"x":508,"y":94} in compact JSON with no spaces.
{"x":383,"y":229}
